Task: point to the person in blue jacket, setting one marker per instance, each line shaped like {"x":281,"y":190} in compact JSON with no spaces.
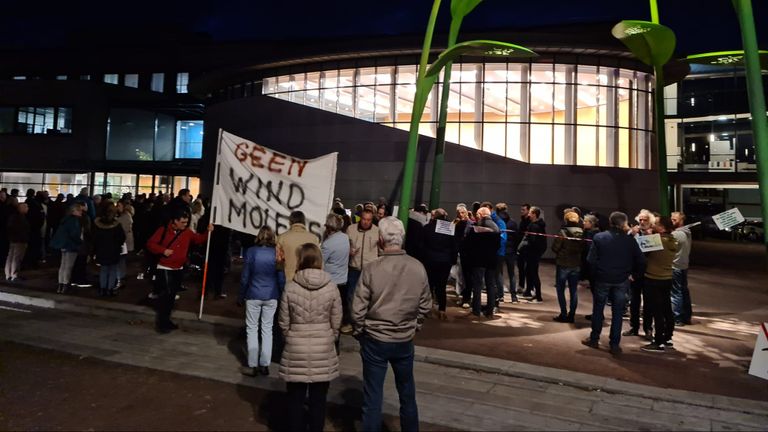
{"x":260,"y":284}
{"x":68,"y":238}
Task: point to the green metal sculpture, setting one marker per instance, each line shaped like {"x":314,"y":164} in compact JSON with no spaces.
{"x":427,"y":76}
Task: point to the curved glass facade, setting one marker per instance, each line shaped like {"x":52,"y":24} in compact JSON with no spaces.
{"x":534,"y":112}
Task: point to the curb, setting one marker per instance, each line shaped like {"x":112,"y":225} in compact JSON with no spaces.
{"x":423,"y":354}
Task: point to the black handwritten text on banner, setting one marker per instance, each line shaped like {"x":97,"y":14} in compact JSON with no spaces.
{"x":257,"y":186}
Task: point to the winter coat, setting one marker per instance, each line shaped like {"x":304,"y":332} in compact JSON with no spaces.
{"x":69,"y":235}
{"x":166,"y":238}
{"x":310,"y":318}
{"x":18,"y":228}
{"x":437,"y":247}
{"x":366,"y":243}
{"x":482,"y":243}
{"x":108,"y":239}
{"x":260,"y":279}
{"x":568,"y":252}
{"x":335,"y":251}
{"x":512,"y":236}
{"x":126,"y":222}
{"x":537,"y":245}
{"x":503,"y":229}
{"x":290,"y":241}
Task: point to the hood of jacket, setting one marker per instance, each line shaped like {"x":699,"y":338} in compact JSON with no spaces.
{"x":101,"y":224}
{"x":312,"y":279}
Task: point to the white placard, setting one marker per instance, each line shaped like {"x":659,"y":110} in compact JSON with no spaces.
{"x":257,"y":186}
{"x":445,"y":227}
{"x":759,"y":365}
{"x":728,"y":218}
{"x":650,"y":243}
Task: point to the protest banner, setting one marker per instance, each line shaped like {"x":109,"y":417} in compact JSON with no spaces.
{"x":256,"y":186}
{"x":759,"y":365}
{"x":728,"y":218}
{"x":650,"y":243}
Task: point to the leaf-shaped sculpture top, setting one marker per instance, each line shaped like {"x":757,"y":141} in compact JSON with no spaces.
{"x":461,"y":8}
{"x":481,"y":48}
{"x":652,"y":43}
{"x":726,"y":58}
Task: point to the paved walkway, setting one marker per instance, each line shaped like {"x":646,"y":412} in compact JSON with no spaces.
{"x":459,"y":391}
{"x":729,"y":291}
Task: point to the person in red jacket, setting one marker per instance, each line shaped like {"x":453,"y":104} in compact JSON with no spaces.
{"x":171,"y":244}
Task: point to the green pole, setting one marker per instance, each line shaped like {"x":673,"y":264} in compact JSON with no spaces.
{"x":756,"y":99}
{"x":418,"y":109}
{"x":661,"y":140}
{"x":437,"y":166}
{"x":654,"y":12}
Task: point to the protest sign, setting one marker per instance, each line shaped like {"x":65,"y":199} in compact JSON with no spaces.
{"x":728,"y":218}
{"x":445,"y":227}
{"x":759,"y":365}
{"x":256,"y":186}
{"x":649,"y":243}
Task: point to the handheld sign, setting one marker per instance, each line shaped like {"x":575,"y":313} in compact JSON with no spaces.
{"x":759,"y":365}
{"x":445,"y":227}
{"x":649,"y":243}
{"x":728,"y":218}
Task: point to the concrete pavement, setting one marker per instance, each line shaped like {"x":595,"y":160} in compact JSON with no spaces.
{"x":460,"y":391}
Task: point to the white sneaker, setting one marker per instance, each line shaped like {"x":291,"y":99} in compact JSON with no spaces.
{"x":152,"y":295}
{"x":465,"y":306}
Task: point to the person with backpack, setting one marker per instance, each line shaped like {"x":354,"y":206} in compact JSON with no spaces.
{"x":568,"y":248}
{"x":171,"y":244}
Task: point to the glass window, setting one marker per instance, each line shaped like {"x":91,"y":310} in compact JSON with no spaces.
{"x":346,"y":98}
{"x":467,"y":97}
{"x":469,"y":135}
{"x":541,"y":144}
{"x":65,"y":183}
{"x":384,"y":75}
{"x":495,"y":72}
{"x":179,"y":183}
{"x":157,"y":82}
{"x":19,"y":77}
{"x":494,"y":102}
{"x":452,"y":132}
{"x":404,"y":95}
{"x":366,"y":76}
{"x":43,"y":120}
{"x":119,"y":184}
{"x":587,"y":75}
{"x":542,"y":73}
{"x":494,"y":138}
{"x":586,"y":104}
{"x":624,"y":148}
{"x":145,"y":184}
{"x":61,"y":77}
{"x":329,"y":79}
{"x":586,"y":145}
{"x":515,"y":72}
{"x":366,"y":103}
{"x":346,"y":78}
{"x":85,"y":77}
{"x":383,"y":105}
{"x":514,"y":141}
{"x":189,"y":139}
{"x":182,"y":82}
{"x":541,"y":103}
{"x":406,"y":74}
{"x":269,"y":85}
{"x":21,"y":181}
{"x":559,"y":144}
{"x":132,"y":80}
{"x":194,"y":186}
{"x":514,"y":98}
{"x":111,"y":78}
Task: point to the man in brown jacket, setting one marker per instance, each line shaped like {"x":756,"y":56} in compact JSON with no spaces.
{"x":288,"y":242}
{"x":391,"y":300}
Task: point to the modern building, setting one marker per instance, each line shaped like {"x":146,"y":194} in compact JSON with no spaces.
{"x":573,"y":126}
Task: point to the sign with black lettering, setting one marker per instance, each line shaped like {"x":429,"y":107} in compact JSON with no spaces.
{"x":759,"y":365}
{"x":728,"y":218}
{"x":257,"y":186}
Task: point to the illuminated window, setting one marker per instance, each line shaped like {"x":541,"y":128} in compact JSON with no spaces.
{"x":182,"y":81}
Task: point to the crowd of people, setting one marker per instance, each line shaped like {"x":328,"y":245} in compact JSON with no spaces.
{"x":366,"y":276}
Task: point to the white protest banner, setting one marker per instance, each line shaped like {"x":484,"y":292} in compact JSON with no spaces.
{"x":649,"y":243}
{"x":728,"y":218}
{"x":445,"y":227}
{"x":257,"y":186}
{"x":759,"y":365}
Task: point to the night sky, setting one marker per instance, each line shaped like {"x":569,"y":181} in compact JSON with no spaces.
{"x":700,"y":25}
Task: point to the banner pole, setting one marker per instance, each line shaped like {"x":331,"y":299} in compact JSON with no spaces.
{"x":205,"y":267}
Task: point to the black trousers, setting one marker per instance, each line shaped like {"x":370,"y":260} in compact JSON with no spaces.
{"x":167,"y":284}
{"x":437,"y":273}
{"x":532,"y":275}
{"x":315,"y":396}
{"x":346,"y":316}
{"x":80,"y":269}
{"x":521,"y":267}
{"x":658,"y":297}
{"x":640,"y":297}
{"x":466,"y":293}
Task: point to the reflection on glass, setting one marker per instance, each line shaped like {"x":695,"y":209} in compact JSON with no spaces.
{"x":586,"y":145}
{"x":494,"y":137}
{"x":541,"y":144}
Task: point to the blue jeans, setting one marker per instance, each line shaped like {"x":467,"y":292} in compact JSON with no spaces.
{"x":353,"y":275}
{"x":681,"y":297}
{"x":571,"y":276}
{"x":376,"y":357}
{"x":259,"y":311}
{"x":618,"y":295}
{"x":108,"y":277}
